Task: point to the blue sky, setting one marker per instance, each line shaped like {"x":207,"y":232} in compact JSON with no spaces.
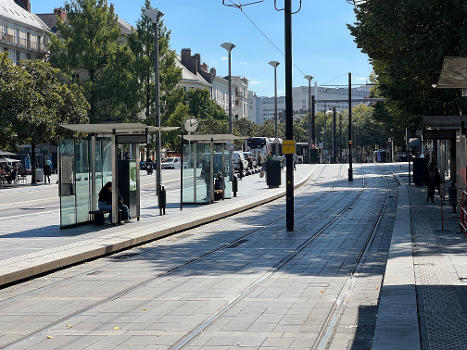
{"x":322,"y":44}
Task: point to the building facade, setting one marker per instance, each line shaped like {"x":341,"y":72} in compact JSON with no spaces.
{"x":241,"y":101}
{"x":22,"y":34}
{"x":265,"y":105}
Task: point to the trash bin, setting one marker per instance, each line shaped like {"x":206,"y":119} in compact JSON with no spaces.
{"x":273,"y":173}
{"x":40,"y":175}
{"x":419,"y":166}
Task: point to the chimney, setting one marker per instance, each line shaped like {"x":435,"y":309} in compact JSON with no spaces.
{"x":25,"y":4}
{"x":204,"y":67}
{"x":212,"y":74}
{"x":197,"y":63}
{"x":186,"y":58}
{"x":60,"y":12}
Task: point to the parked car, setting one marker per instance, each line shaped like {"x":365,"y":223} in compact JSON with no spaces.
{"x":171,"y":163}
{"x":252,"y":157}
{"x":238,"y":156}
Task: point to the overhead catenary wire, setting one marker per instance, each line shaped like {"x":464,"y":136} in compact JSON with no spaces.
{"x":240,"y":7}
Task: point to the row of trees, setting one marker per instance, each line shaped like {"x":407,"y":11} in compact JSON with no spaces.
{"x":407,"y":42}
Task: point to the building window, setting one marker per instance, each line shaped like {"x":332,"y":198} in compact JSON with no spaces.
{"x":5,"y":29}
{"x":17,"y":56}
{"x":17,"y":36}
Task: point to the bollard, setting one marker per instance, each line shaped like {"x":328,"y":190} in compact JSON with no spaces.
{"x":235,"y":186}
{"x":162,"y":200}
{"x":452,"y":191}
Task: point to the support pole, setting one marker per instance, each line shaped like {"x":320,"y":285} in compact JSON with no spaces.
{"x":313,"y":120}
{"x":289,"y":114}
{"x":340,"y":138}
{"x":334,"y":136}
{"x":350,"y":171}
{"x":158,"y":109}
{"x":276,"y":122}
{"x":114,"y":181}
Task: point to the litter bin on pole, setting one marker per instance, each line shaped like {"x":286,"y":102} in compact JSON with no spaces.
{"x":39,"y":175}
{"x":273,"y":173}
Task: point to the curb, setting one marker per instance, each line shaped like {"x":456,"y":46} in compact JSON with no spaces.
{"x":397,"y":325}
{"x":99,"y":247}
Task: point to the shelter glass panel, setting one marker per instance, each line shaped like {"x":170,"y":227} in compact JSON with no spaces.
{"x":82,"y":181}
{"x":67,"y":183}
{"x":197,"y":177}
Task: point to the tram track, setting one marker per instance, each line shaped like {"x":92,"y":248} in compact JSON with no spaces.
{"x":200,"y":328}
{"x":143,"y":283}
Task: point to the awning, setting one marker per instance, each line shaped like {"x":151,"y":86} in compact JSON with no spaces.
{"x":453,"y":74}
{"x":119,"y":128}
{"x":9,"y":160}
{"x":6,"y":153}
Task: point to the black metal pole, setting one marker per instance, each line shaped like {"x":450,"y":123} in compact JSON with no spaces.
{"x":340,"y":138}
{"x":289,"y":114}
{"x":334,"y":136}
{"x":158,"y":109}
{"x":313,"y":120}
{"x":276,"y":144}
{"x":350,"y":128}
{"x":310,"y":123}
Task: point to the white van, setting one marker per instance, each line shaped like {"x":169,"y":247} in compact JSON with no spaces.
{"x":237,"y":157}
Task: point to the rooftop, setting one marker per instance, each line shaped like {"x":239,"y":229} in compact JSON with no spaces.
{"x":13,"y":12}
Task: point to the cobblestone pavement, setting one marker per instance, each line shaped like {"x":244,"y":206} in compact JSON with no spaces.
{"x":440,"y":261}
{"x":244,"y":281}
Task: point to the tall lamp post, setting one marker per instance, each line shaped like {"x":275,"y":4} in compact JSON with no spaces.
{"x":310,"y":121}
{"x":229,"y":47}
{"x":155,"y":15}
{"x":334,"y":136}
{"x":274,"y":64}
{"x":340,"y":137}
{"x":350,"y":171}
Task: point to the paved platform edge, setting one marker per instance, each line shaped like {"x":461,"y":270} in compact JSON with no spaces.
{"x":25,"y":270}
{"x":397,"y":325}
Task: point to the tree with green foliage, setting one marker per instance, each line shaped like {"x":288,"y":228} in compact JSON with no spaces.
{"x":141,"y":43}
{"x":35,"y":99}
{"x":407,"y":42}
{"x":89,"y":43}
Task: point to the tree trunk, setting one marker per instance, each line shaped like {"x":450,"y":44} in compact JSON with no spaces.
{"x":33,"y":163}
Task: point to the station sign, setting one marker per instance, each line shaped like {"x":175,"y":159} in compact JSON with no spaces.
{"x":131,"y":138}
{"x":288,"y":146}
{"x":439,"y":134}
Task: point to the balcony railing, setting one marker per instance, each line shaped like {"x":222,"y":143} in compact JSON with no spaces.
{"x":22,"y":43}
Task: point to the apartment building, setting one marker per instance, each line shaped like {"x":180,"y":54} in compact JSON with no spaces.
{"x":22,"y":34}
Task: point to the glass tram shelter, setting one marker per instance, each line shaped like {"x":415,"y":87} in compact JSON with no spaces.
{"x":109,"y":153}
{"x":206,"y":168}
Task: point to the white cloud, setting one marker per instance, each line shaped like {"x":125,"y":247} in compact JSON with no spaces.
{"x":243,"y":63}
{"x":224,"y":58}
{"x":254,"y":82}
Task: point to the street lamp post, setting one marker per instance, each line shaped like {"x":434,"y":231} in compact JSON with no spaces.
{"x":276,"y":144}
{"x":229,"y":47}
{"x":350,"y":171}
{"x":154,"y":14}
{"x":310,"y":121}
{"x":340,"y":137}
{"x":334,"y":137}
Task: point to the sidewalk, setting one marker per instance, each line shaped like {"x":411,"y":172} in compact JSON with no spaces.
{"x":31,"y":249}
{"x":423,"y":303}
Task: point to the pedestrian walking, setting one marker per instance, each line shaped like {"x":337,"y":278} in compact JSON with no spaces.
{"x":432,"y":181}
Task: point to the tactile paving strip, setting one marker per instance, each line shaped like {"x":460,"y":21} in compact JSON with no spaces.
{"x":441,"y":316}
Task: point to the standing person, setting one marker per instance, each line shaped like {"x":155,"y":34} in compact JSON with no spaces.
{"x":432,"y":181}
{"x":240,"y":168}
{"x":47,"y":172}
{"x":105,"y":202}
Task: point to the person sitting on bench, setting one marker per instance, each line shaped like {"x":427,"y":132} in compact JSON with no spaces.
{"x":105,"y":202}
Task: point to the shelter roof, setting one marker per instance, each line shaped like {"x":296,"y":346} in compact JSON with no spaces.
{"x":453,"y":73}
{"x":119,"y":128}
{"x":213,"y":137}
